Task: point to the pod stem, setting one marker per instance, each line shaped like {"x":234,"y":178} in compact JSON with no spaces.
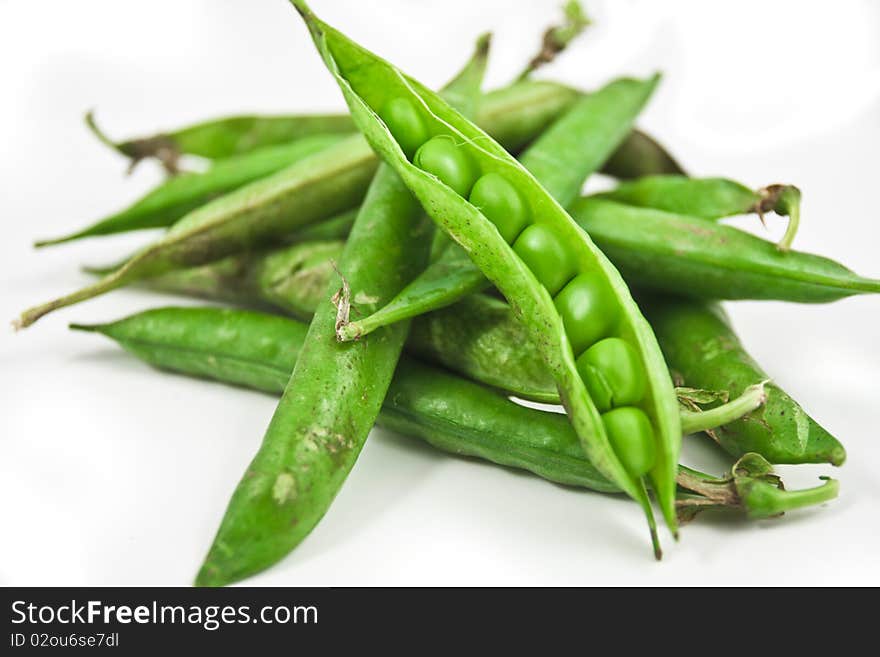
{"x":557,"y":37}
{"x":784,"y":200}
{"x":751,"y":487}
{"x":106,"y":284}
{"x":101,"y":135}
{"x":751,"y":399}
{"x":762,"y":499}
{"x":347,"y":331}
{"x":162,"y":147}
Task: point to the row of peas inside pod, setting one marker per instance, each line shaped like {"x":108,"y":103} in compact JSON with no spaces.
{"x":609,"y":366}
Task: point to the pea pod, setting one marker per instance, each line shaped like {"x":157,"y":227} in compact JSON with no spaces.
{"x":478,"y":337}
{"x":223,"y":138}
{"x":703,"y":351}
{"x":452,"y":414}
{"x":711,"y":198}
{"x":638,"y":438}
{"x":689,"y":256}
{"x":336,"y":390}
{"x":177,"y":196}
{"x":316,"y":188}
{"x":561,"y":159}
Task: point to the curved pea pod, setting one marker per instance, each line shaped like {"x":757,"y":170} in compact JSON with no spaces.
{"x":703,"y":352}
{"x":453,"y":414}
{"x":223,"y":138}
{"x":369,"y":84}
{"x":177,"y":196}
{"x":711,"y":198}
{"x":689,"y":256}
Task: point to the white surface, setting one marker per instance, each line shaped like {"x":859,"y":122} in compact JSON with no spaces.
{"x":111,"y":473}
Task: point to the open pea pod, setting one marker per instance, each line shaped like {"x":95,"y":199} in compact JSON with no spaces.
{"x":639,"y":433}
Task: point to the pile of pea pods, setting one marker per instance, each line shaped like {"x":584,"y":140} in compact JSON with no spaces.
{"x":426,"y":261}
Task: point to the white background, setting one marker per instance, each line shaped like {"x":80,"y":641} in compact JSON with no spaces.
{"x":111,"y":473}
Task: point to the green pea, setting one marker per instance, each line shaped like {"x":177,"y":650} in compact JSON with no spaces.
{"x":406,"y":124}
{"x":613,"y":373}
{"x":632,"y":438}
{"x":502,"y":204}
{"x":588,"y":310}
{"x":545,"y":254}
{"x":444,"y":158}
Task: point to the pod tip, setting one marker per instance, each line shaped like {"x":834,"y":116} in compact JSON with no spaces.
{"x":837,"y":456}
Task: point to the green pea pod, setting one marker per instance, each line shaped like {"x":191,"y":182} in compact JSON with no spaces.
{"x":453,"y":154}
{"x":336,"y":390}
{"x":703,"y":352}
{"x":478,"y":337}
{"x":177,"y":196}
{"x":259,"y":351}
{"x":316,"y":188}
{"x":224,"y":138}
{"x":711,"y":198}
{"x":688,"y":256}
{"x":561,"y":159}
